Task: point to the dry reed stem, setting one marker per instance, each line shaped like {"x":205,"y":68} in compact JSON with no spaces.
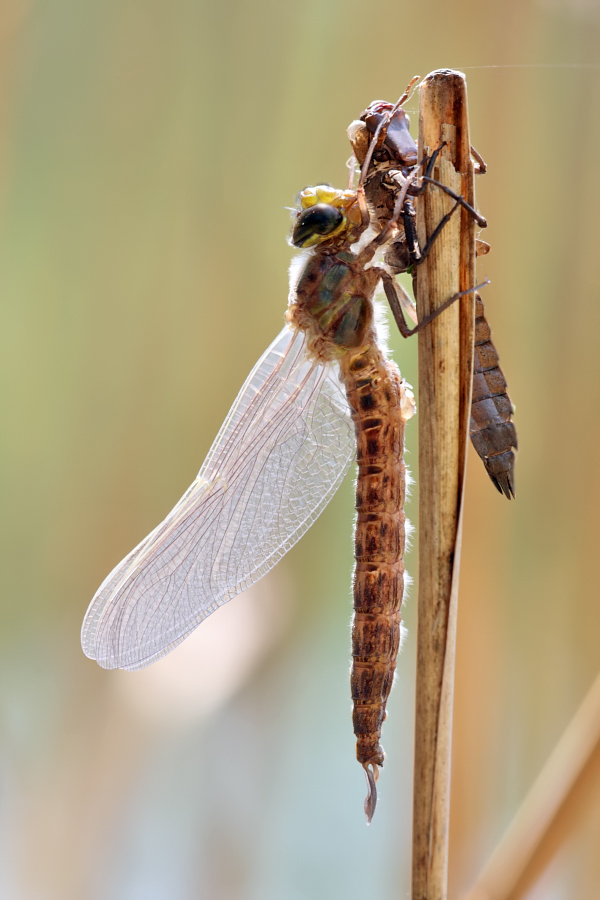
{"x":445,"y":378}
{"x":549,"y":810}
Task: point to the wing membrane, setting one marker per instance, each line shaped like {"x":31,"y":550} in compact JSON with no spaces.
{"x":278,"y":459}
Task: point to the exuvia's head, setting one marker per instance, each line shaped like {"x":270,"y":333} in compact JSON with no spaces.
{"x":326,"y":214}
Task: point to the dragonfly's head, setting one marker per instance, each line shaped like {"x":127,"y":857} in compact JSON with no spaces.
{"x":326,"y":214}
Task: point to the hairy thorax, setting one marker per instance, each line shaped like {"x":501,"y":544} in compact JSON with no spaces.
{"x":333,"y":304}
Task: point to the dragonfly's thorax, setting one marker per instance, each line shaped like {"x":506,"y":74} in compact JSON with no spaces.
{"x":333,"y":303}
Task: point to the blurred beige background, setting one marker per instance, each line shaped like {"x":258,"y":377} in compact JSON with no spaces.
{"x":147,"y":152}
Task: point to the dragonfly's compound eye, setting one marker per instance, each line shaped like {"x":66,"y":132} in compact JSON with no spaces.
{"x":315,"y":223}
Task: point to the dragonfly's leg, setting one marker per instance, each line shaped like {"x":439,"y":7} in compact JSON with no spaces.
{"x":391,"y":291}
{"x":410,"y":230}
{"x":401,"y":298}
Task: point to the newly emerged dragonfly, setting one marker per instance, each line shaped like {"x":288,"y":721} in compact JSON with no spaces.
{"x":382,"y":144}
{"x":323,"y":393}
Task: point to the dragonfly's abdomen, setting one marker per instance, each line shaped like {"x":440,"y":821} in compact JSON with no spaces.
{"x":492,"y":432}
{"x":375,"y":393}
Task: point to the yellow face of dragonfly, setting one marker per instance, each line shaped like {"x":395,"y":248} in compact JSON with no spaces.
{"x":326,"y":214}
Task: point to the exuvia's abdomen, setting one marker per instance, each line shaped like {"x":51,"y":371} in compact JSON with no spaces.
{"x":493,"y":434}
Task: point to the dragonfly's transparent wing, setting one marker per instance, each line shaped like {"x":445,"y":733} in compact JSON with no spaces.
{"x":277,"y":461}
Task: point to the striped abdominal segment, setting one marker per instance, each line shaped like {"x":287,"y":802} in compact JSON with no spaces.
{"x":380,"y":403}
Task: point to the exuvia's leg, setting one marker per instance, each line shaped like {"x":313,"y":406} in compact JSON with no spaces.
{"x":461,"y":200}
{"x":388,"y":231}
{"x":424,"y":253}
{"x":429,"y":163}
{"x":391,"y":291}
{"x":416,"y":254}
{"x":481,"y":167}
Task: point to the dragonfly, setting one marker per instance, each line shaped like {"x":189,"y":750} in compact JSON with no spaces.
{"x":323,"y":394}
{"x":381,"y":139}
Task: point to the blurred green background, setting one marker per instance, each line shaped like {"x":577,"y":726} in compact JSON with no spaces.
{"x":147,"y":152}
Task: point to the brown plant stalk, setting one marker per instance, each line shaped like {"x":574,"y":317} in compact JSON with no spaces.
{"x":445,"y":378}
